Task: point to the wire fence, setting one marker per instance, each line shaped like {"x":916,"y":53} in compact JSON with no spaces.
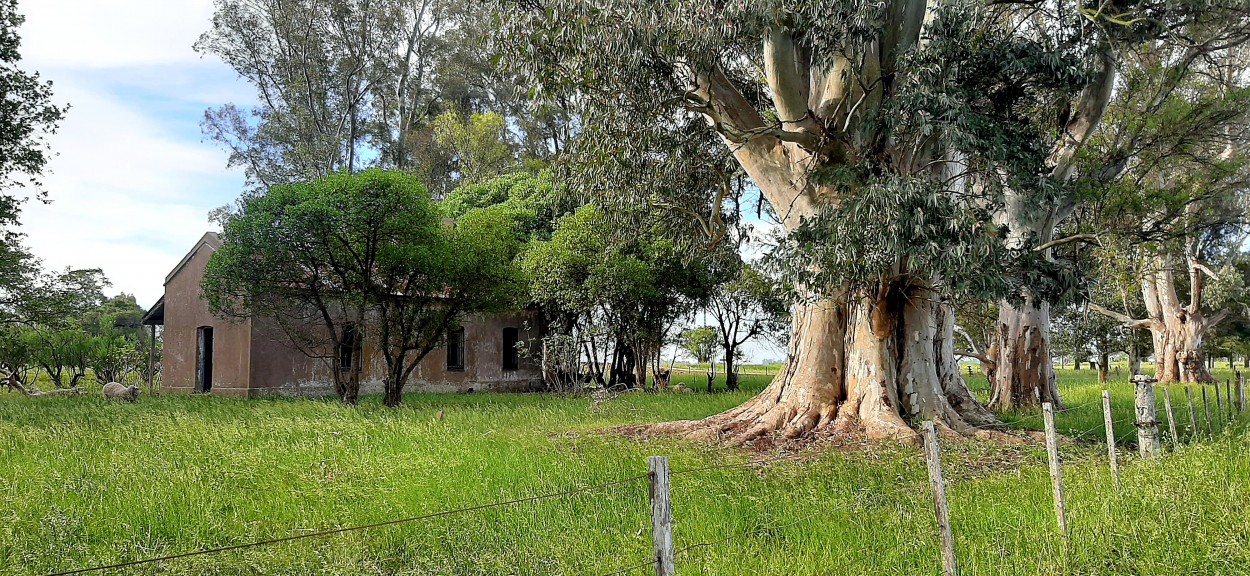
{"x":659,"y":482}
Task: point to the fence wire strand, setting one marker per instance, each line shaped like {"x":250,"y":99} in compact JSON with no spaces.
{"x":337,"y":531}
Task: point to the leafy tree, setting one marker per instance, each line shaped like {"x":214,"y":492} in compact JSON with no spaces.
{"x":1173,"y":207}
{"x":27,"y":117}
{"x":618,"y":290}
{"x":1084,"y":334}
{"x":480,"y":145}
{"x":345,"y":84}
{"x":847,"y":134}
{"x":702,"y":343}
{"x":748,"y":306}
{"x":354,"y":256}
{"x":17,"y":356}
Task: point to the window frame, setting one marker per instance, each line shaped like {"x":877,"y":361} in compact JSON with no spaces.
{"x":455,"y":341}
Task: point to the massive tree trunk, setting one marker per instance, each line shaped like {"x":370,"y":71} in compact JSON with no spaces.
{"x":1023,"y":374}
{"x":1176,"y":330}
{"x":871,"y":363}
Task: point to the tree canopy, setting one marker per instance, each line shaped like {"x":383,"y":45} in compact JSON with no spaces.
{"x":371,"y":251}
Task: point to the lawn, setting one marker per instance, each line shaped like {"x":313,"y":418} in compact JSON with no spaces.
{"x":87,"y":483}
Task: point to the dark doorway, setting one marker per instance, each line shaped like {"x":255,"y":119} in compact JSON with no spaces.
{"x":204,"y":359}
{"x":511,"y":357}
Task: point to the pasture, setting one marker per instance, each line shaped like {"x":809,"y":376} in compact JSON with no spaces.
{"x":88,"y":483}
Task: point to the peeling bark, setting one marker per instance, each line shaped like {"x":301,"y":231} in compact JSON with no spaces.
{"x":871,"y":365}
{"x":1023,"y":374}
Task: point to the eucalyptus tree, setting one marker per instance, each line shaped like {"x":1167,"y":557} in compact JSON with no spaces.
{"x":883,"y":136}
{"x":349,"y":84}
{"x":1173,"y":171}
{"x":27,"y":117}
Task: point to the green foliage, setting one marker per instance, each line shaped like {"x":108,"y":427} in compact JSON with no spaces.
{"x":300,"y":465}
{"x":369,"y":248}
{"x":702,"y":343}
{"x":27,"y":118}
{"x":480,"y":145}
{"x":348,"y":84}
{"x":532,"y":200}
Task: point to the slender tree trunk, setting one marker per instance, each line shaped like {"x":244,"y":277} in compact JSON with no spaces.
{"x":1024,"y":374}
{"x":641,"y":358}
{"x":1104,"y":365}
{"x":731,"y":371}
{"x":393,"y":391}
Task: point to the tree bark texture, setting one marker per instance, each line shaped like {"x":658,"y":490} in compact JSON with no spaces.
{"x":1024,"y":375}
{"x":1175,"y":330}
{"x":871,"y":363}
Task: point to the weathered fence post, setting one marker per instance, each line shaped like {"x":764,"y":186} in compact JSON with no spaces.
{"x":1193,"y":418}
{"x":1241,"y":393}
{"x":940,"y":507}
{"x":1109,"y":424}
{"x":1219,"y":407}
{"x":661,"y":516}
{"x":1147,"y":418}
{"x":1206,"y":407}
{"x":1228,"y":395}
{"x":1056,"y":472}
{"x":1167,"y":407}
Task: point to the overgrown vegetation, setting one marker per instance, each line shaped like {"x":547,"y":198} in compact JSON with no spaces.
{"x":89,"y":483}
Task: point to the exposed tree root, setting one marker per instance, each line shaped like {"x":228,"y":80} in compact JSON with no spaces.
{"x":872,"y":367}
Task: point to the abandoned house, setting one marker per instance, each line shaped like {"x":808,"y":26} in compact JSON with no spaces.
{"x":252,"y":357}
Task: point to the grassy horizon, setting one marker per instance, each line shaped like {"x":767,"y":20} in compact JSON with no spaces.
{"x":88,"y":482}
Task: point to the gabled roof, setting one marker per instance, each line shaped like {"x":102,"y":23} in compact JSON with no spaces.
{"x":209,"y":240}
{"x":155,"y":315}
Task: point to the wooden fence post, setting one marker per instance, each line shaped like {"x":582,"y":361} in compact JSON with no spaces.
{"x":661,"y":516}
{"x":1167,"y":407}
{"x":1228,"y":395}
{"x":1241,"y":393}
{"x":1056,"y":472}
{"x":1147,"y":418}
{"x":1193,"y":418}
{"x":1206,"y":407}
{"x":940,"y":507}
{"x":1219,"y":407}
{"x":1109,"y":424}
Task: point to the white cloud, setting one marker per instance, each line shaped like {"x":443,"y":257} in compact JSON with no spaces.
{"x":112,"y":33}
{"x":132,"y":181}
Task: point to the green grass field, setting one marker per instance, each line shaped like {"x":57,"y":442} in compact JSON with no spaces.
{"x":84,"y":483}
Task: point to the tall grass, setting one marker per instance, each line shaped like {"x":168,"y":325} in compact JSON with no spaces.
{"x":87,"y":482}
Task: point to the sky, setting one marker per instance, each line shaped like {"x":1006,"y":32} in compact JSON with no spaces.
{"x":133,"y":180}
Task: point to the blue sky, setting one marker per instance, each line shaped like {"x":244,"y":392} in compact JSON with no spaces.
{"x":133,"y":180}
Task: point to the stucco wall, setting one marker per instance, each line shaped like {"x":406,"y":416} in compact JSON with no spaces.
{"x":255,"y":357}
{"x":277,"y":367}
{"x":185,"y":311}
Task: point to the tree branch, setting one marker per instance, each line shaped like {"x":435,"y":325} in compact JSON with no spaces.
{"x":786,"y":69}
{"x":1128,"y":321}
{"x":1091,"y":238}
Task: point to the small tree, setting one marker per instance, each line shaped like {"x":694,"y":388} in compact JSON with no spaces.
{"x":748,"y":306}
{"x":702,"y":343}
{"x":361,"y":255}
